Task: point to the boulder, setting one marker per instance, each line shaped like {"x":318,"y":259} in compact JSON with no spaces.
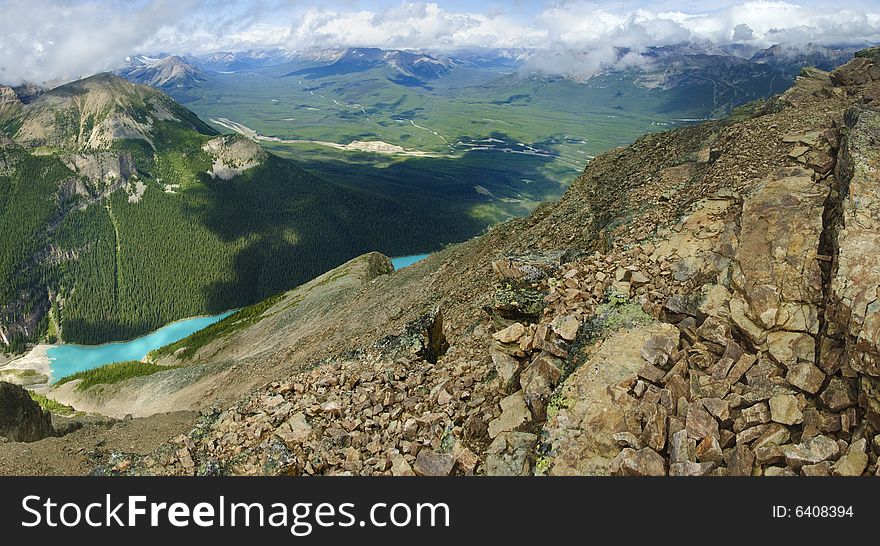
{"x":776,"y":274}
{"x":567,"y":327}
{"x":538,"y":380}
{"x":22,"y":419}
{"x":400,"y":466}
{"x":508,"y":370}
{"x":660,"y":347}
{"x":294,"y":431}
{"x":839,"y":394}
{"x":806,"y":377}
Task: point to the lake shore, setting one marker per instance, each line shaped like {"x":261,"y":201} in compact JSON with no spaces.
{"x":36,"y":361}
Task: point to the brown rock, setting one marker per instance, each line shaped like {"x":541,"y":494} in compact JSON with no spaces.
{"x":567,"y":327}
{"x":742,"y":365}
{"x":400,"y":466}
{"x":654,"y":434}
{"x":465,"y":459}
{"x":510,"y":334}
{"x":700,"y":423}
{"x":651,"y":373}
{"x":627,"y":439}
{"x":778,"y":471}
{"x":720,"y":409}
{"x":580,"y":436}
{"x":659,"y":348}
{"x":829,"y":422}
{"x":715,"y":330}
{"x":740,"y":461}
{"x":508,"y":370}
{"x":771,"y":454}
{"x":755,"y":415}
{"x":294,"y":431}
{"x":751,"y":434}
{"x":644,"y":462}
{"x":854,"y":462}
{"x":812,"y":451}
{"x":709,"y":450}
{"x":514,"y":414}
{"x":784,"y":409}
{"x":818,"y":469}
{"x":839,"y":394}
{"x":774,"y":435}
{"x":538,"y":380}
{"x":430,"y":463}
{"x":690,"y":468}
{"x":806,"y":377}
{"x":678,"y":447}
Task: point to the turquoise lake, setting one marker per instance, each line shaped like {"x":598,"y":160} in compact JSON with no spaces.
{"x":404,"y":261}
{"x":69,"y":359}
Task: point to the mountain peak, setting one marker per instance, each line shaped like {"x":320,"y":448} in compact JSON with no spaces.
{"x":171,"y":71}
{"x":94,"y":112}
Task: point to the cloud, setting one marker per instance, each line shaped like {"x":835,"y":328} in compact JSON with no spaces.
{"x":45,"y":40}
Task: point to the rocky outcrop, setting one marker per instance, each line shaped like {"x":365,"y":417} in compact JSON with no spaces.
{"x":854,"y":313}
{"x":10,"y":104}
{"x":855,"y":282}
{"x":22,"y":419}
{"x":7,"y":95}
{"x":865,"y":68}
{"x":775,"y":274}
{"x":108,"y":171}
{"x":233,"y":155}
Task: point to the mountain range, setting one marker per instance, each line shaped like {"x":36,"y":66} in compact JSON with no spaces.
{"x":414,"y":66}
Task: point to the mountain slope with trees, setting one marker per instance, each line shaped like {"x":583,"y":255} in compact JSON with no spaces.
{"x":123,"y":212}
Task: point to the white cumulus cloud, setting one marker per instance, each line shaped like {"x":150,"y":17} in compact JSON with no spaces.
{"x":52,"y":40}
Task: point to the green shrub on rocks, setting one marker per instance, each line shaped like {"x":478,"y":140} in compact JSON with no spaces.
{"x":51,"y":405}
{"x":113,"y":373}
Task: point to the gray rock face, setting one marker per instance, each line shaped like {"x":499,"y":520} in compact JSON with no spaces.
{"x":511,"y":454}
{"x":22,"y":419}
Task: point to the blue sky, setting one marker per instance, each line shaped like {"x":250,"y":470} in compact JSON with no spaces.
{"x":48,"y":40}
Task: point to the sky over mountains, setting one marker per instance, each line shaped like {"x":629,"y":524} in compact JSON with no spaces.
{"x":46,"y":40}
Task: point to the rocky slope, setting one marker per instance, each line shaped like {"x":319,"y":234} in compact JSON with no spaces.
{"x":702,"y":302}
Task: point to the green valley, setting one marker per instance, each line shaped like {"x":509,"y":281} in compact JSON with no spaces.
{"x":494,"y":141}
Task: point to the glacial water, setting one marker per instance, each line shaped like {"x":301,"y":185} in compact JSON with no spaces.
{"x":68,"y":359}
{"x":404,"y":261}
